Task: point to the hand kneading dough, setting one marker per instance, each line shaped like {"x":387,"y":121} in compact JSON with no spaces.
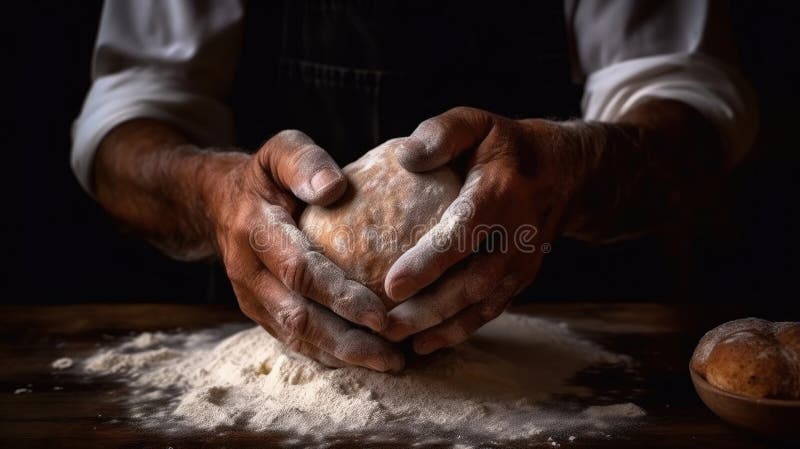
{"x":752,"y":357}
{"x":383,"y":213}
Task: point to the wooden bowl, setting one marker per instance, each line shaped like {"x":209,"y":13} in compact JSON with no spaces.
{"x":774,"y":418}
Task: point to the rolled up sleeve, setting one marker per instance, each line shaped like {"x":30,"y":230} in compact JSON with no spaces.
{"x":170,"y":60}
{"x":631,"y":51}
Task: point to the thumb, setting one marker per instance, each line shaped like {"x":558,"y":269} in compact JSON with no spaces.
{"x":440,"y":139}
{"x":296,"y":163}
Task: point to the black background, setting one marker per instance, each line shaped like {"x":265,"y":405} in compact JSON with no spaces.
{"x":60,"y":248}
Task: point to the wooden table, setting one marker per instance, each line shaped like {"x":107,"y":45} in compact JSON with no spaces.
{"x":64,"y":409}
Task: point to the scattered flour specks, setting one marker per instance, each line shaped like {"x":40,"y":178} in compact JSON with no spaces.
{"x":62,"y":363}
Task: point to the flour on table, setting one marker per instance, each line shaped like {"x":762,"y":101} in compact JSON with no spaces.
{"x":62,"y":363}
{"x":626,"y":410}
{"x":501,"y":385}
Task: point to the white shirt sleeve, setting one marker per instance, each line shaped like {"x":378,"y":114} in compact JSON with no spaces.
{"x":171,"y":60}
{"x":633,"y":50}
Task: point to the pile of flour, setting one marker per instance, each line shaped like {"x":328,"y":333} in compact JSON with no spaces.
{"x":501,"y":385}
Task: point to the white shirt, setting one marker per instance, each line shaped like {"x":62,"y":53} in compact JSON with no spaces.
{"x":174,"y":60}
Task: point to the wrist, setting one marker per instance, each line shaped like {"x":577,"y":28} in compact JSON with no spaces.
{"x":562,"y":155}
{"x":558,"y":150}
{"x":216,"y":178}
{"x":639,"y":174}
{"x":148,"y":176}
{"x":593,"y":167}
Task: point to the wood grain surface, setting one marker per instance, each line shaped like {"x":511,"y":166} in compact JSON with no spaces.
{"x":66,"y":409}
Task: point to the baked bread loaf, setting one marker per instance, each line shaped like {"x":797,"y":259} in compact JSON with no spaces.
{"x":383,"y":213}
{"x":751,"y":357}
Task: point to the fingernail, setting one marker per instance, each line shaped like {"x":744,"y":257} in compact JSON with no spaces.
{"x":396,"y":363}
{"x":401,"y":289}
{"x":429,"y":345}
{"x":323,"y":179}
{"x":398,"y":330}
{"x":410,"y":150}
{"x":377,"y":364}
{"x":391,"y":363}
{"x":411,"y":145}
{"x":372,"y":320}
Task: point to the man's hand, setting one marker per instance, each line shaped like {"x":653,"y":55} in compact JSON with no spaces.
{"x":242,"y":205}
{"x":527,"y":182}
{"x":273,"y":267}
{"x":490,"y":242}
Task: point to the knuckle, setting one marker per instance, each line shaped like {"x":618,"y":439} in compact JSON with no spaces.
{"x":242,"y":226}
{"x":274,"y":214}
{"x":245,"y":236}
{"x":505,"y":141}
{"x":356,"y":348}
{"x":295,"y":274}
{"x":344,"y":303}
{"x":461,"y":110}
{"x":350,"y":346}
{"x":294,"y":321}
{"x":455,"y":334}
{"x":248,"y":308}
{"x":235,"y":270}
{"x":350,"y":296}
{"x":290,"y":135}
{"x":477,"y":287}
{"x":483,"y":274}
{"x":435,"y":315}
{"x":461,"y":334}
{"x":295,"y":345}
{"x":502,"y":136}
{"x":464,"y":116}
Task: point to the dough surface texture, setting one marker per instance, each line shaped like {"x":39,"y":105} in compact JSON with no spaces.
{"x":383,"y":213}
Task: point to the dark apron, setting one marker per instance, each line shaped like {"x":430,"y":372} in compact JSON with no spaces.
{"x":352,"y":74}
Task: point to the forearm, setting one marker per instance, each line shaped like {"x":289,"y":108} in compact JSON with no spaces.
{"x":659,"y":161}
{"x":150,"y":178}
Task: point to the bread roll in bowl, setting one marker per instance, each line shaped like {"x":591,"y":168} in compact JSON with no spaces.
{"x":751,"y":357}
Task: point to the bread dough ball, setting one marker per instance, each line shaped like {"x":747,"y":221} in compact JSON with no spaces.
{"x":751,"y":357}
{"x":383,"y":213}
